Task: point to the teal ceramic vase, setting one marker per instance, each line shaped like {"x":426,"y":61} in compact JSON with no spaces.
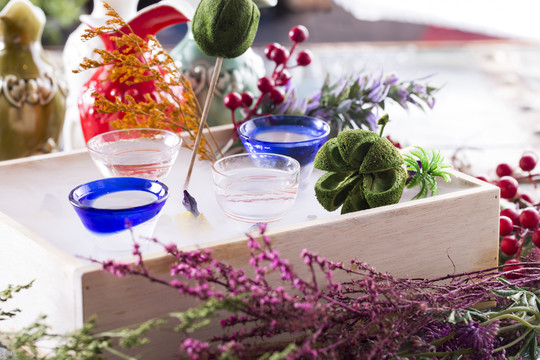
{"x":32,"y":98}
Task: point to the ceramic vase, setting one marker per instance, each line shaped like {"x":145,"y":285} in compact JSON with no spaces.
{"x":239,"y":74}
{"x":75,"y":50}
{"x":32,"y":98}
{"x":148,"y":21}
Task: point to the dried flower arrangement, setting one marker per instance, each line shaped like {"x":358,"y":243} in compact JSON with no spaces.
{"x":370,"y":315}
{"x":173,"y":106}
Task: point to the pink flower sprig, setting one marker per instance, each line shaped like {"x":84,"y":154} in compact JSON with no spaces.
{"x":271,"y":87}
{"x":328,"y":309}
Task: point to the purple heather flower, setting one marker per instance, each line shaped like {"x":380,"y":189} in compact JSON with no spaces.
{"x":473,"y":335}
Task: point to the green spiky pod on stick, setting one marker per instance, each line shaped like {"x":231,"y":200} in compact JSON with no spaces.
{"x":224,"y":29}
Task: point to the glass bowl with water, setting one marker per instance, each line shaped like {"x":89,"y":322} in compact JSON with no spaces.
{"x":256,"y":188}
{"x":145,"y":153}
{"x":297,"y":136}
{"x":119,"y":210}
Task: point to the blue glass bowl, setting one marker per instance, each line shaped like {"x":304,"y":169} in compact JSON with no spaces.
{"x":297,"y":136}
{"x":137,"y":201}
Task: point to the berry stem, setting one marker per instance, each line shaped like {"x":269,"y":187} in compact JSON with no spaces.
{"x":522,"y":237}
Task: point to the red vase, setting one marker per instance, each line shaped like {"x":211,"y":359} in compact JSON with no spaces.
{"x":147,"y":22}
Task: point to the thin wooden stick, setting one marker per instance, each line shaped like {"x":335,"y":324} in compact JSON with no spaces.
{"x":206,"y":109}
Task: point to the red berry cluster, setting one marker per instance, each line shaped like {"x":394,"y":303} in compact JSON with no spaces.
{"x":519,"y":225}
{"x":269,"y":86}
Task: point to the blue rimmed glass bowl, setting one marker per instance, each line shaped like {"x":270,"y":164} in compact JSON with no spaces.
{"x":297,"y":136}
{"x":120,"y":209}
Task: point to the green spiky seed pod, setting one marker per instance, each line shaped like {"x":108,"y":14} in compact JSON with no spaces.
{"x":225,"y":28}
{"x":329,"y":158}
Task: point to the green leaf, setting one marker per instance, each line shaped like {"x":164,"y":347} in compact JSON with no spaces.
{"x":432,"y":166}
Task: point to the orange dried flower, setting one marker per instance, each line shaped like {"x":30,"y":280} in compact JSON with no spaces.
{"x":173,"y":106}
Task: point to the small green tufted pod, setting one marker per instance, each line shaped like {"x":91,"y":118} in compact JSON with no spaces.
{"x":364,"y":171}
{"x":333,"y":188}
{"x":329,"y":158}
{"x":355,"y":144}
{"x":356,"y":200}
{"x":384,"y":187}
{"x":382,"y":155}
{"x":225,"y":28}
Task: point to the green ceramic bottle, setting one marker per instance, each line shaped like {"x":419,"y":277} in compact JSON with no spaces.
{"x":32,"y":100}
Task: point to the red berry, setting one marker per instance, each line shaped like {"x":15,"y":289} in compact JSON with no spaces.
{"x":232,"y":100}
{"x":512,"y":214}
{"x":504,"y":170}
{"x":529,"y":218}
{"x":265,"y":84}
{"x":277,"y":96}
{"x":268,"y":50}
{"x":283,"y":78}
{"x":535,"y":237}
{"x":506,"y":226}
{"x":526,"y":196}
{"x":247,"y":99}
{"x":508,"y":186}
{"x":483,"y":178}
{"x":528,"y":162}
{"x":279,"y":55}
{"x":303,"y":58}
{"x":510,"y":266}
{"x":298,"y":33}
{"x":509,"y":245}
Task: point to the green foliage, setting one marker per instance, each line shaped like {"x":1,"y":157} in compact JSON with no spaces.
{"x":198,"y":317}
{"x":426,"y":169}
{"x":61,"y":16}
{"x":131,"y":337}
{"x":8,"y":294}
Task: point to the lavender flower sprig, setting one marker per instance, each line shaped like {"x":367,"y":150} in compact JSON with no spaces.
{"x":355,"y":101}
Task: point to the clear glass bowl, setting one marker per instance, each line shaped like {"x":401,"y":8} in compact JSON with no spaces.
{"x":119,"y":210}
{"x":145,"y":153}
{"x":297,"y":136}
{"x":256,"y":187}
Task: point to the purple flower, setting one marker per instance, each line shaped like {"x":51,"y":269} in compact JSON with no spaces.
{"x":419,"y":89}
{"x":430,"y":102}
{"x":391,"y":80}
{"x":340,"y":86}
{"x":477,"y":337}
{"x":402,"y":97}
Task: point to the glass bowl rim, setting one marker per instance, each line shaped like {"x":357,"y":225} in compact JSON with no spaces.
{"x":160,"y":198}
{"x":242,"y":127}
{"x":295,"y":162}
{"x":172,"y":148}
